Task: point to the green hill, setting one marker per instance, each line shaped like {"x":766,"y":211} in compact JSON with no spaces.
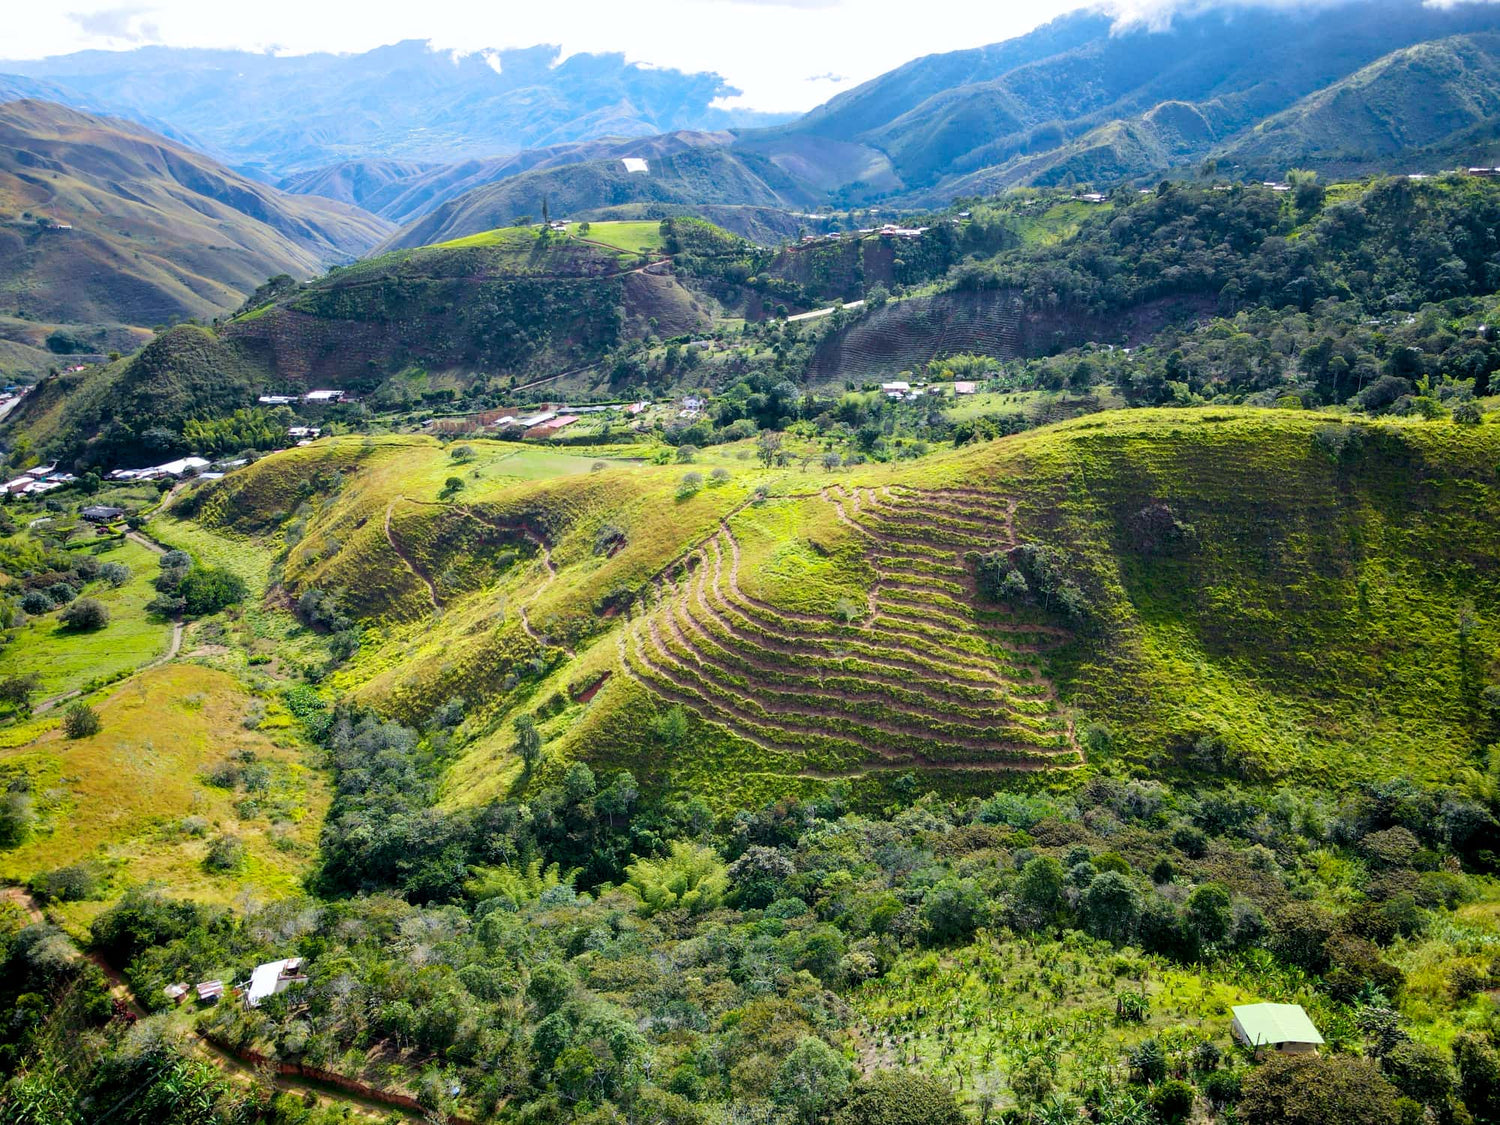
{"x":506,"y":303}
{"x":697,"y":175}
{"x":1257,"y":594}
{"x":1401,"y":108}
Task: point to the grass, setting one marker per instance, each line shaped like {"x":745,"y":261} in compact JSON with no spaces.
{"x":1309,"y":632}
{"x":627,"y":236}
{"x":123,"y":797}
{"x":69,"y":661}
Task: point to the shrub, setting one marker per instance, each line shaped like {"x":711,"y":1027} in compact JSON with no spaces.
{"x":225,"y":854}
{"x":18,"y":690}
{"x":115,"y":573}
{"x":36,"y":602}
{"x":209,"y":589}
{"x":901,"y":1098}
{"x":81,"y":721}
{"x":1172,"y":1101}
{"x":61,"y":593}
{"x":689,"y":485}
{"x":1468,"y":414}
{"x":74,"y":883}
{"x":85,"y":615}
{"x":17,"y":816}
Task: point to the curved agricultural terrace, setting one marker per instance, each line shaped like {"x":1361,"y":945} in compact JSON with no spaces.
{"x":918,"y":676}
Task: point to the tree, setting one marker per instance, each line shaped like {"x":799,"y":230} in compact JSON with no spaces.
{"x":1111,"y":907}
{"x":81,"y":721}
{"x":812,"y":1079}
{"x":528,"y":741}
{"x":767,"y":446}
{"x":85,"y":615}
{"x":1301,"y":1090}
{"x":18,"y":690}
{"x":115,"y":573}
{"x":208,"y":589}
{"x":901,"y":1098}
{"x":1210,"y":914}
{"x":1478,"y":1064}
{"x":1038,"y":893}
{"x":692,"y":878}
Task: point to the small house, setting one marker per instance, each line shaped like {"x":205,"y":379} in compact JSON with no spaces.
{"x":1284,"y":1028}
{"x":177,"y":993}
{"x":963,"y":388}
{"x":895,"y":389}
{"x":323,"y":396}
{"x":635,"y":164}
{"x":209,"y":991}
{"x":101,"y":513}
{"x":276,"y":400}
{"x":274,"y":977}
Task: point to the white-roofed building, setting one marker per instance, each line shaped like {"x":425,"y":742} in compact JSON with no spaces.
{"x":635,"y":164}
{"x":273,"y":977}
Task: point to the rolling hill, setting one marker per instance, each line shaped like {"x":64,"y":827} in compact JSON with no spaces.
{"x":698,"y":171}
{"x":104,"y":223}
{"x":506,"y":306}
{"x":817,"y":627}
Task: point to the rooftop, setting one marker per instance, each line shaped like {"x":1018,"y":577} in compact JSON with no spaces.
{"x":1270,"y":1024}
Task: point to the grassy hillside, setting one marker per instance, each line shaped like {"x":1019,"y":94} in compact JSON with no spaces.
{"x":710,"y":174}
{"x":1263,"y":596}
{"x":157,"y":232}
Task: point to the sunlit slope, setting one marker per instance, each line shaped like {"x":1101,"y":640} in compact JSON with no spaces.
{"x":1263,"y":594}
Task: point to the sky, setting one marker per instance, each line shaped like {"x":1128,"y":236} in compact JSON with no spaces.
{"x":785,"y":55}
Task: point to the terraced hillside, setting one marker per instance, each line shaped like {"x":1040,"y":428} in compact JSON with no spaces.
{"x":917,"y":675}
{"x":1253,"y":594}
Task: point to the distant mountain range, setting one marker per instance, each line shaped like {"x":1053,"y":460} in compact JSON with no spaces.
{"x":1351,"y":88}
{"x":278,"y":115}
{"x":105,"y":223}
{"x":403,"y":147}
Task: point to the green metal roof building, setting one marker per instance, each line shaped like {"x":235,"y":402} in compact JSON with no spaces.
{"x":1277,"y":1027}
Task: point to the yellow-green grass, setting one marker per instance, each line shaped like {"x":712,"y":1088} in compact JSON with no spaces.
{"x":630,"y":237}
{"x":67,"y":660}
{"x":120,"y":797}
{"x":500,"y":236}
{"x":1045,"y":227}
{"x":1309,"y":630}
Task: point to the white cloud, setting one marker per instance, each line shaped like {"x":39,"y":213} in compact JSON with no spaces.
{"x":766,"y":48}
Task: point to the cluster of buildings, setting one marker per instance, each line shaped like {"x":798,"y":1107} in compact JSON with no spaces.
{"x":266,"y":980}
{"x":898,"y":390}
{"x":183,"y":466}
{"x":312,"y":398}
{"x":35,"y":482}
{"x":887,"y":230}
{"x":541,"y":422}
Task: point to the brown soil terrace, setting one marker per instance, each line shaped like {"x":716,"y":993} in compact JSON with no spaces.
{"x":923,"y":679}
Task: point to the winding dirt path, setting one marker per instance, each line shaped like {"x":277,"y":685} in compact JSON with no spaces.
{"x":521,"y":529}
{"x":432,"y":591}
{"x":174,"y":644}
